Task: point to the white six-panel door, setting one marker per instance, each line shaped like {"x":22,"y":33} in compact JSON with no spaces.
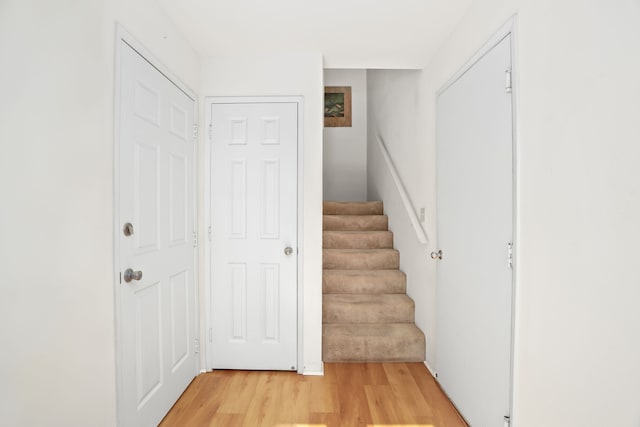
{"x":156,"y":313}
{"x":475,"y":228}
{"x":254,"y":235}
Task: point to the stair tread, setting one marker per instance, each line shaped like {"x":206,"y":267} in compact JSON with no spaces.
{"x":355,"y":222}
{"x":352,"y":217}
{"x":355,"y":233}
{"x":383,"y":299}
{"x":367,"y":308}
{"x":361,"y":239}
{"x":363,"y":281}
{"x":387,"y":330}
{"x":352,"y":208}
{"x":358,"y":259}
{"x":366,"y":274}
{"x":360,"y":250}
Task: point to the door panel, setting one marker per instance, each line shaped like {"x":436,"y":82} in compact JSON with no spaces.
{"x":254,"y":218}
{"x":475,"y":226}
{"x":156,"y":321}
{"x":178,"y":192}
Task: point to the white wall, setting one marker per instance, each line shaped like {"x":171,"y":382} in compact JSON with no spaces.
{"x":345,"y":148}
{"x":578,"y":204}
{"x":393,"y":113}
{"x":290,"y":75}
{"x":56,"y":186}
{"x":394,"y":106}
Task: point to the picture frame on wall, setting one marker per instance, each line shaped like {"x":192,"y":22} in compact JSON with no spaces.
{"x":337,"y":106}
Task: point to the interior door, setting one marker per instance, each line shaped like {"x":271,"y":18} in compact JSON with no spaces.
{"x":254,"y":230}
{"x":156,"y":294}
{"x":475,"y":229}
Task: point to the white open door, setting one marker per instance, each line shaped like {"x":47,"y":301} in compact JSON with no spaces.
{"x":254,"y":186}
{"x":475,"y":229}
{"x":155,"y":291}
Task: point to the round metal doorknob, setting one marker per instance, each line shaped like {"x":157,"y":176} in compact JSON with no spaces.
{"x":288,"y":250}
{"x":436,"y":255}
{"x":127,"y":229}
{"x":130,"y":275}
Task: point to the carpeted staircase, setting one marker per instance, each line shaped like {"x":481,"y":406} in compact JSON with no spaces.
{"x":366,"y":313}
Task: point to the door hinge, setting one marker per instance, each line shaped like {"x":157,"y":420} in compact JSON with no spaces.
{"x":210,"y":233}
{"x":507,"y":421}
{"x":510,"y":254}
{"x":195,"y":131}
{"x":211,"y":131}
{"x":195,"y":239}
{"x":196,"y":347}
{"x":507,"y":80}
{"x":210,"y":334}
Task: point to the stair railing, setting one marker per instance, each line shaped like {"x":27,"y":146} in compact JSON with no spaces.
{"x":420,"y":233}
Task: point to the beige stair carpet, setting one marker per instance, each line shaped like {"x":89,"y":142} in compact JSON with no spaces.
{"x":367,"y":316}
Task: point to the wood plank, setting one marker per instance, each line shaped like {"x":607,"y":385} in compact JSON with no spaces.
{"x":383,"y":410}
{"x":243,"y":385}
{"x":324,"y":393}
{"x":374,"y":374}
{"x":264,"y":406}
{"x":354,"y":406}
{"x":200,"y":402}
{"x":406,"y":391}
{"x":221,"y":420}
{"x":296,"y":401}
{"x":445,"y":414}
{"x":352,"y":399}
{"x":350,"y":394}
{"x":324,"y":420}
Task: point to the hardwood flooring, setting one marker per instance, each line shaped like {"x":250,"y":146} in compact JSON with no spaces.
{"x":348,"y":395}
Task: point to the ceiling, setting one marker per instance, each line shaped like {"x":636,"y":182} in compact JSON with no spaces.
{"x":348,"y":33}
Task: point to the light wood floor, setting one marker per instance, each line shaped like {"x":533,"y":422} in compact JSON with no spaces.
{"x":349,"y":395}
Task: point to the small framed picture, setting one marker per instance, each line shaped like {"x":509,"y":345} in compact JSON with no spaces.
{"x":337,"y":106}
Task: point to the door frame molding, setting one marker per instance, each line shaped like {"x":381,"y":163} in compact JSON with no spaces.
{"x":208,"y":191}
{"x":508,"y":28}
{"x":123,"y":40}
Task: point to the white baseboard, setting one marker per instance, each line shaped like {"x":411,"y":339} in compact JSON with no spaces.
{"x":313,"y":369}
{"x":433,"y":372}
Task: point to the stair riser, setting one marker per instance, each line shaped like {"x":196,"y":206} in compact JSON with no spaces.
{"x":375,"y":260}
{"x":333,"y":312}
{"x":355,"y":223}
{"x":362,"y":287}
{"x":364,"y":284}
{"x":373,"y":349}
{"x":357,"y":240}
{"x":346,"y":208}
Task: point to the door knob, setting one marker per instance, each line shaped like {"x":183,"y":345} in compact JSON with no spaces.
{"x":127,"y":229}
{"x":436,"y":255}
{"x":130,"y":275}
{"x":288,"y":250}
